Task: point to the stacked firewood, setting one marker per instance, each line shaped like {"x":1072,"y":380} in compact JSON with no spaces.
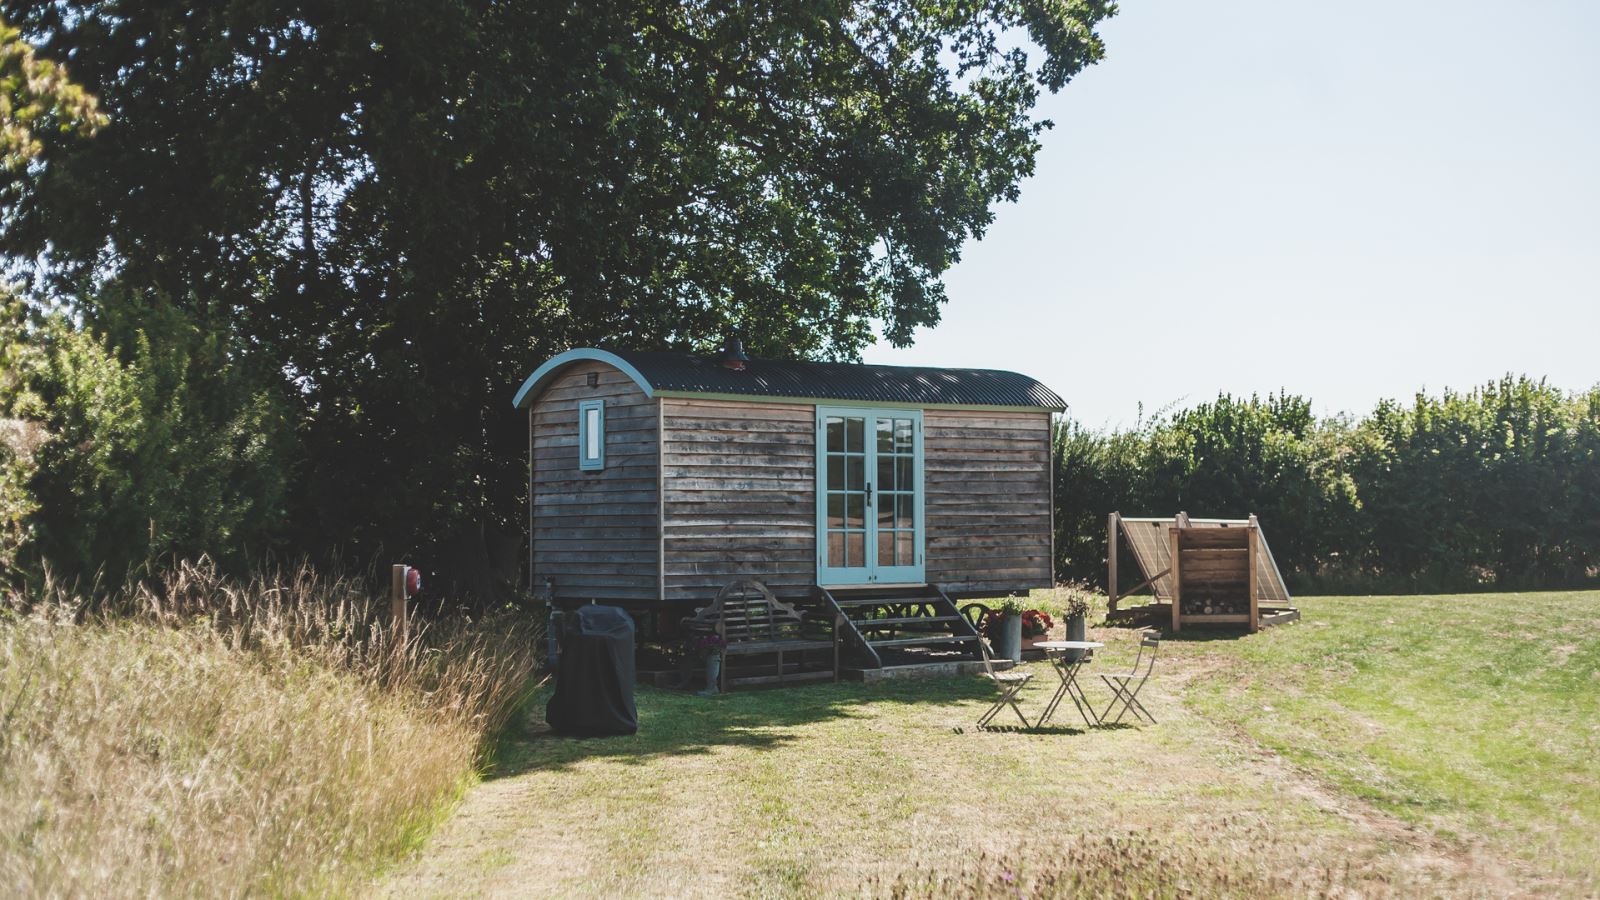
{"x":1215,"y":606}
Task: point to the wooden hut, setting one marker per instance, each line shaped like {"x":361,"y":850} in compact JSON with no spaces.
{"x":655,"y":479}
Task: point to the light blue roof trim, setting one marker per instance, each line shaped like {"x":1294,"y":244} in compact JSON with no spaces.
{"x":542,"y":375}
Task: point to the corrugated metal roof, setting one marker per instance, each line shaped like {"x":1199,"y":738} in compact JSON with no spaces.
{"x":683,"y":373}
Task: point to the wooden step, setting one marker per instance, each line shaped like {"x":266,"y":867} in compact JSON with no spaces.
{"x":860,"y":603}
{"x":929,"y":639}
{"x":871,"y":588}
{"x":909,"y":620}
{"x":883,"y":592}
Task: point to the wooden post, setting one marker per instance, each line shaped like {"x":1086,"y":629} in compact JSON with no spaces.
{"x":722,"y":673}
{"x":838,"y":625}
{"x":397,"y":601}
{"x":1177,"y":578}
{"x":1050,"y":476}
{"x":1254,"y":555}
{"x":1111,"y":564}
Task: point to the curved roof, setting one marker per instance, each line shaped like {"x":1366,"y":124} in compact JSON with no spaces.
{"x":684,"y":375}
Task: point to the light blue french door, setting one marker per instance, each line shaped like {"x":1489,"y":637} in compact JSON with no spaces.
{"x":869,"y":495}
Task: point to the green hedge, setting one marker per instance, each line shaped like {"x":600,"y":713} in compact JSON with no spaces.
{"x":1495,"y":487}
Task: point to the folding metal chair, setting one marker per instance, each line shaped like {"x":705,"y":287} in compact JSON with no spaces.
{"x":1125,"y":687}
{"x":1009,"y":683}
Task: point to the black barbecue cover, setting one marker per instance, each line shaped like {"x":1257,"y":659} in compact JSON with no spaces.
{"x":594,"y":676}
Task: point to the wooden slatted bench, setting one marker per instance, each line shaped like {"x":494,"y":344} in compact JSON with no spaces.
{"x":754,"y":623}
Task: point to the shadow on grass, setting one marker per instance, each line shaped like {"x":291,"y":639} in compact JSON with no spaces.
{"x":675,"y":723}
{"x":1161,"y":621}
{"x":1047,"y":730}
{"x":1190,"y":633}
{"x":1204,"y":634}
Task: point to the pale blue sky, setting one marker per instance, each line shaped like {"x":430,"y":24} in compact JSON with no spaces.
{"x":1351,"y":201}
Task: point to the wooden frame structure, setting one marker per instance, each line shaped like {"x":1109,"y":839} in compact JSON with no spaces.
{"x":1201,"y":571}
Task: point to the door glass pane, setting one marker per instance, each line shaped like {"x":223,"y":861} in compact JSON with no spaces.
{"x":902,"y":435}
{"x":886,"y":548}
{"x":885,"y":480}
{"x":835,"y":510}
{"x":855,"y":548}
{"x":902,"y":510}
{"x":836,"y":549}
{"x":885,"y":513}
{"x":853,"y":441}
{"x":835,"y":434}
{"x":886,"y":435}
{"x":855,"y":511}
{"x":906,"y":551}
{"x":855,"y":467}
{"x":904,"y":467}
{"x":835,"y":473}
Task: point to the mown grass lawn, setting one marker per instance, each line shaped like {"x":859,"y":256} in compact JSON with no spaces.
{"x":1477,"y":717}
{"x":1399,"y":746}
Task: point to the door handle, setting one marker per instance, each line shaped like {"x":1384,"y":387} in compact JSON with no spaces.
{"x":869,"y":493}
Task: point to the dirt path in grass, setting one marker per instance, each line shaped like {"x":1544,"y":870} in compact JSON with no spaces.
{"x":830,"y":789}
{"x":1467,"y":861}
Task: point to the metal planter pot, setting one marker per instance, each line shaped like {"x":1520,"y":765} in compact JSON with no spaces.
{"x":1008,"y":639}
{"x":1077,"y":630}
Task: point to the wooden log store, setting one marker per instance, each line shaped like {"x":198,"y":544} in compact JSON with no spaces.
{"x":1200,"y":571}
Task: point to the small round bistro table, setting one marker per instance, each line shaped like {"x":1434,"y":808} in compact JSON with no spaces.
{"x":1067,"y":666}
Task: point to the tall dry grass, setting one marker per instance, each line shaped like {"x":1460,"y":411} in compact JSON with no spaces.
{"x":219,"y":738}
{"x":1215,"y":862}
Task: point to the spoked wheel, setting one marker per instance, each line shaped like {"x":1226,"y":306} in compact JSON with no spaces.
{"x":974,"y":613}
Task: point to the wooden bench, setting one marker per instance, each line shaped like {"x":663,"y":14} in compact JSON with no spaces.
{"x":753,"y":622}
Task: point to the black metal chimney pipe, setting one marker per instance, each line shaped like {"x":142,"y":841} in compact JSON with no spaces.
{"x":733,"y":355}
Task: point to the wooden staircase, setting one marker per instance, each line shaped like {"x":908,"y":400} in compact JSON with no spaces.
{"x":896,"y":625}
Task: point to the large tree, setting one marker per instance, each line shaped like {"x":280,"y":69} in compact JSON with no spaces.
{"x":36,"y":98}
{"x":406,"y":204}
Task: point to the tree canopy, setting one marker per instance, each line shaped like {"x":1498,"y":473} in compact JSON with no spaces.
{"x":37,"y":97}
{"x":402,"y":206}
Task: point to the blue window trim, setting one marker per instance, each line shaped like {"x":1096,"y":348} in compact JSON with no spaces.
{"x":586,"y":462}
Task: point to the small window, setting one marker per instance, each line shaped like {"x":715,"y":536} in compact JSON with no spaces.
{"x":592,"y":434}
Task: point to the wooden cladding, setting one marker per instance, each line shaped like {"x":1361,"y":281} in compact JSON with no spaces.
{"x":594,"y":532}
{"x":987,"y":484}
{"x":739,"y":497}
{"x":696,"y":493}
